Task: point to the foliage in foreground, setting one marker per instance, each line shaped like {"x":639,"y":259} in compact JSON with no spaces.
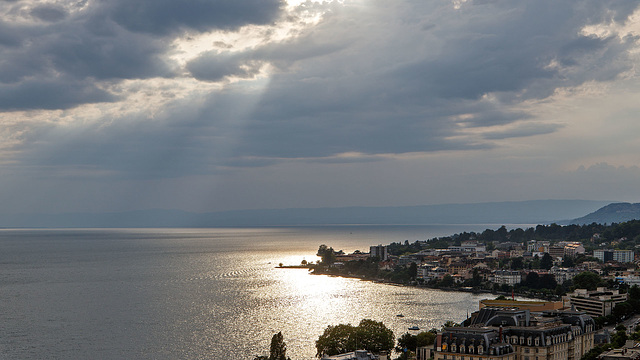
{"x":369,"y":335}
{"x":278,"y":349}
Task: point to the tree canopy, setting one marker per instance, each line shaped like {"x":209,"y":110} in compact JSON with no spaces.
{"x":587,"y":280}
{"x":369,"y":335}
{"x":277,"y":350}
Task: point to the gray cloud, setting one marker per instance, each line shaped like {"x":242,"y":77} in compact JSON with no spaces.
{"x":167,"y":16}
{"x":396,"y":78}
{"x":60,"y":93}
{"x":50,"y":13}
{"x":104,"y":41}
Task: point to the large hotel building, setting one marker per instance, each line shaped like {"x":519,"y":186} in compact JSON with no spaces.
{"x":494,"y":333}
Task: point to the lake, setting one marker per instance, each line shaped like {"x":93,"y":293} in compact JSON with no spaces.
{"x":197,"y":293}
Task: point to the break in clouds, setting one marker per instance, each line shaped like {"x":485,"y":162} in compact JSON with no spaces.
{"x":111,"y":86}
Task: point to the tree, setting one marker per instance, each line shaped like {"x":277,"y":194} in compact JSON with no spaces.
{"x":476,"y":280}
{"x":547,"y":281}
{"x":407,"y":342}
{"x":426,"y":338}
{"x":413,"y":270}
{"x":532,"y":279}
{"x":374,"y":336}
{"x":278,"y":349}
{"x":370,"y":335}
{"x":447,"y":281}
{"x":587,"y":280}
{"x":546,"y":262}
{"x":335,"y":340}
{"x":327,"y":254}
{"x":517,"y":263}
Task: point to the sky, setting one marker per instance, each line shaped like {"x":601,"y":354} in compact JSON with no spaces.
{"x":211,"y":105}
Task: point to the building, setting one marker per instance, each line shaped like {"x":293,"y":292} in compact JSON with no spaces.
{"x":563,"y":274}
{"x":509,"y":277}
{"x":630,"y":351}
{"x":556,"y":252}
{"x":533,"y":306}
{"x":621,"y":256}
{"x":596,"y":303}
{"x":354,"y":355}
{"x":603,"y":255}
{"x":509,"y":334}
{"x":424,"y":352}
{"x":535,"y":246}
{"x":573,"y":249}
{"x":379,"y":251}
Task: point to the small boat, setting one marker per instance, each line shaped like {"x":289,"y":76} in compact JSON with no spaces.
{"x":414,"y":328}
{"x":400,"y":315}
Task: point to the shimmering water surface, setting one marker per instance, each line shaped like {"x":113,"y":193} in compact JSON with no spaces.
{"x":196,"y":293}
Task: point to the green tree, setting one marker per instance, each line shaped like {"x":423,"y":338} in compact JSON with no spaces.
{"x":335,"y":340}
{"x":374,"y":336}
{"x":426,"y":338}
{"x":406,"y":343}
{"x":546,"y":262}
{"x":277,"y":350}
{"x":587,"y":280}
{"x":327,"y":254}
{"x":370,"y":335}
{"x":447,"y":281}
{"x":517,"y":263}
{"x":619,"y":338}
{"x":413,"y":270}
{"x":476,"y":280}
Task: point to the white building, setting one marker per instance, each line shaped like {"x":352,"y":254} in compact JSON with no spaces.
{"x":379,"y":251}
{"x":623,"y":256}
{"x":509,"y":277}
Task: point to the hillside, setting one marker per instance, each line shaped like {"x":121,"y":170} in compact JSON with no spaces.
{"x":612,"y":213}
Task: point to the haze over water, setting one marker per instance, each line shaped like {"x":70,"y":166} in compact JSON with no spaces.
{"x":197,"y":293}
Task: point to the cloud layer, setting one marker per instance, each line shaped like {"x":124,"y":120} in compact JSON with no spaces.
{"x":155,"y":89}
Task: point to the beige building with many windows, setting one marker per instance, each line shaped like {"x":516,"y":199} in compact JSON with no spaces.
{"x":596,"y":303}
{"x":511,"y":334}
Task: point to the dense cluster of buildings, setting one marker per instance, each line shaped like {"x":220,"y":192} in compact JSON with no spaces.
{"x":470,"y":257}
{"x":506,"y":329}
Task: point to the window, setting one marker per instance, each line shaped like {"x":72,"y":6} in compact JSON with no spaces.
{"x":526,"y":350}
{"x":529,"y":341}
{"x":537,"y":342}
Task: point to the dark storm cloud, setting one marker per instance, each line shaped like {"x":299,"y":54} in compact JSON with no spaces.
{"x":60,"y":93}
{"x":105,"y":40}
{"x":166,"y":16}
{"x":50,"y":13}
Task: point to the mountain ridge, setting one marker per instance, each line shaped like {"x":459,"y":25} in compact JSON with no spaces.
{"x":611,"y":213}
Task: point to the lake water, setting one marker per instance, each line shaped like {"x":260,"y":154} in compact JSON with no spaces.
{"x":197,"y":293}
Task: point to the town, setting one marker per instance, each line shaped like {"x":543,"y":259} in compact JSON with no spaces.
{"x":585,"y":277}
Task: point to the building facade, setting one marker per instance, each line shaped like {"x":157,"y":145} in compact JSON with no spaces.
{"x":599,"y":302}
{"x":511,"y":334}
{"x":379,"y":251}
